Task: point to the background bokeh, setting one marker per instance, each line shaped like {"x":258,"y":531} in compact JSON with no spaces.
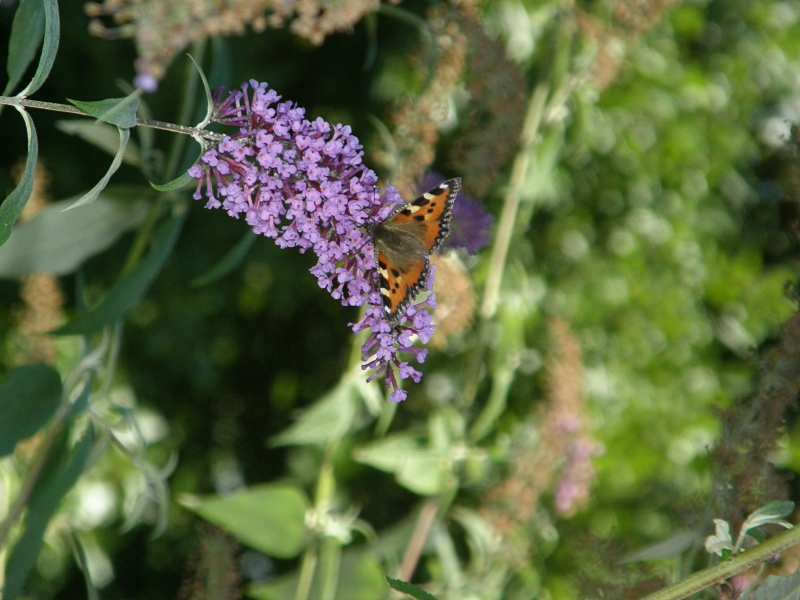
{"x":623,"y":369}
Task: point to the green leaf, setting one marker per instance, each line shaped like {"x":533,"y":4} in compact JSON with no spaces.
{"x":390,"y":453}
{"x":269,"y":518}
{"x":52,"y":27}
{"x":668,"y":548}
{"x":495,"y":406}
{"x":721,"y":541}
{"x":778,"y":508}
{"x":91,"y":195}
{"x":229,"y":262}
{"x":27,"y":30}
{"x":81,"y":557}
{"x":771,"y":513}
{"x":209,"y":100}
{"x":416,"y":468}
{"x":422,"y":474}
{"x":756,"y":535}
{"x":28,"y":399}
{"x":12,"y":206}
{"x":102,"y":135}
{"x":57,"y":478}
{"x":361,"y":577}
{"x":59,"y":242}
{"x":81,"y":402}
{"x":114,"y":111}
{"x":327,"y":419}
{"x":127,"y":293}
{"x":361,"y":571}
{"x":411,"y":590}
{"x":175,"y":184}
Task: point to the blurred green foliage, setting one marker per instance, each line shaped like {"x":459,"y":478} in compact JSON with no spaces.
{"x":649,"y":202}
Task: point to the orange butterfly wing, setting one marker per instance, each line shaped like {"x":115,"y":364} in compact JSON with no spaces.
{"x":404,"y":241}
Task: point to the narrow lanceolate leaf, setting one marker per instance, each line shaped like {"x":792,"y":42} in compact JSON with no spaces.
{"x":209,"y":100}
{"x":228,"y":263}
{"x":59,"y":242}
{"x":81,"y":402}
{"x":411,"y":590}
{"x":669,"y":548}
{"x":91,"y":195}
{"x":175,"y":184}
{"x":28,"y":399}
{"x":52,"y":31}
{"x":12,"y":206}
{"x":26,"y":35}
{"x":776,"y":509}
{"x":127,"y":293}
{"x":771,"y":513}
{"x":102,"y":135}
{"x":57,"y":478}
{"x":114,"y":111}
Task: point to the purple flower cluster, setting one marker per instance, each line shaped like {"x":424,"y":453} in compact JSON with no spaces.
{"x":572,"y":490}
{"x":303,"y":184}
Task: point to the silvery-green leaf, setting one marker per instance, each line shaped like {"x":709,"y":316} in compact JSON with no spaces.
{"x":721,"y":540}
{"x":102,"y":135}
{"x":59,"y":242}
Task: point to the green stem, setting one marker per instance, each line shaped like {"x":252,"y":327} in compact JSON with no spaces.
{"x":329,"y":569}
{"x":114,"y":348}
{"x":388,"y":411}
{"x":326,"y":486}
{"x":307,"y":569}
{"x":508,"y":217}
{"x":722,"y":571}
{"x":502,"y":238}
{"x":495,"y":406}
{"x":74,"y":110}
{"x":142,"y":237}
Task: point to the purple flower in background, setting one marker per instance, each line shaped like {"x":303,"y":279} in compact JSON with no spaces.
{"x":573,"y":487}
{"x":303,"y":184}
{"x":145,"y":82}
{"x":470,"y":223}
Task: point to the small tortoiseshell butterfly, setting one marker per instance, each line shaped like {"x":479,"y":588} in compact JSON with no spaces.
{"x":404,"y":241}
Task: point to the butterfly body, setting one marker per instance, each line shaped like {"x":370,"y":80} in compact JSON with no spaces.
{"x":404,"y":241}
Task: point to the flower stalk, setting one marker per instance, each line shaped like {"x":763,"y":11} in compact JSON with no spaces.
{"x":74,"y":110}
{"x":724,"y":570}
{"x":303,"y":183}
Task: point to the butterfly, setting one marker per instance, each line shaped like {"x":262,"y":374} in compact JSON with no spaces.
{"x":404,"y":241}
